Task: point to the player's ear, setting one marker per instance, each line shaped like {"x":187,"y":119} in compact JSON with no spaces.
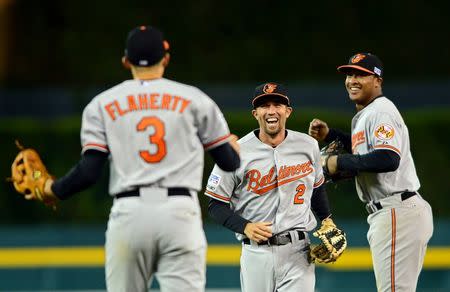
{"x":288,"y":111}
{"x":255,"y":114}
{"x":380,"y":81}
{"x":166,"y":60}
{"x":126,"y":64}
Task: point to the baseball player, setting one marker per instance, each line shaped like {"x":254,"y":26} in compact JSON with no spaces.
{"x":268,"y":200}
{"x":400,"y":219}
{"x":153,"y":131}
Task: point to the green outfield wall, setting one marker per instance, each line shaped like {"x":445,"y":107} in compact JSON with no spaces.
{"x":59,"y":143}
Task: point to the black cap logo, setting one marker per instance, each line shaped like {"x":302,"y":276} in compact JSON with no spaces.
{"x":357,"y":58}
{"x":269,"y":88}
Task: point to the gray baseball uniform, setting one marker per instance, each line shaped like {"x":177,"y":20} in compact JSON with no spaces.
{"x":275,"y":185}
{"x":155,"y":132}
{"x":401,"y":220}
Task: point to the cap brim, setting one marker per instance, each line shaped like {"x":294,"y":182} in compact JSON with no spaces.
{"x":346,"y":68}
{"x":275,"y":95}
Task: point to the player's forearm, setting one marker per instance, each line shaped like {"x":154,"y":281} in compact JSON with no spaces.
{"x":377,"y":161}
{"x":319,"y":203}
{"x":222,"y":214}
{"x":81,"y":176}
{"x":345,"y":138}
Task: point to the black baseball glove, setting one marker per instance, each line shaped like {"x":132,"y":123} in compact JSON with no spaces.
{"x":336,"y":147}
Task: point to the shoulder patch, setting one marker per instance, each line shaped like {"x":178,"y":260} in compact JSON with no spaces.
{"x":213,"y":181}
{"x":384,"y":132}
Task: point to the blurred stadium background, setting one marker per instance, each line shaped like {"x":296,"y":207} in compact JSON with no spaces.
{"x":56,"y":55}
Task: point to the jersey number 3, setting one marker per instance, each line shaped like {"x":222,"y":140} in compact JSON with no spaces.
{"x":157,"y":139}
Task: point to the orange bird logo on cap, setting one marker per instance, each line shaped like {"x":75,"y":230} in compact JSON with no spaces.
{"x":357,"y":58}
{"x":269,"y":88}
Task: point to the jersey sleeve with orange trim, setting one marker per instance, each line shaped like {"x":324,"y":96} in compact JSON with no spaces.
{"x":319,"y":178}
{"x":212,"y":126}
{"x":384,"y":132}
{"x":93,"y":134}
{"x":220,"y":185}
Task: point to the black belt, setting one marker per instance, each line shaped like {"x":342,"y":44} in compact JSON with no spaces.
{"x":405,"y":196}
{"x":280,"y":239}
{"x":170,"y":192}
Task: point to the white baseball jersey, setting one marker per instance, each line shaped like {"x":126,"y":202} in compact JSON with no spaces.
{"x":156,"y":132}
{"x":397,"y":244}
{"x":380,"y":126}
{"x":272,"y":184}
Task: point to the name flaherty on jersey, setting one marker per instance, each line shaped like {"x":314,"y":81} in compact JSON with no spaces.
{"x":147,"y":101}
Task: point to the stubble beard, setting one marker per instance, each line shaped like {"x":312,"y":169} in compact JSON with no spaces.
{"x":272,"y":131}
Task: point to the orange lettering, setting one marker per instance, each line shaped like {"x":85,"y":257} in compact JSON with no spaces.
{"x":157,"y":139}
{"x":119,"y":110}
{"x":131,"y":103}
{"x":253,"y":176}
{"x":184,"y":105}
{"x":268,"y":178}
{"x":110,"y":110}
{"x":281,"y":172}
{"x":357,"y":139}
{"x":165,"y":101}
{"x":293,"y":169}
{"x":286,"y":174}
{"x":143,"y":102}
{"x":306,"y":167}
{"x":301,"y":188}
{"x":153,"y":99}
{"x":175,"y":102}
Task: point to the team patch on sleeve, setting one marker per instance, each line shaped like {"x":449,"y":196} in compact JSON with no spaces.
{"x":384,"y":132}
{"x":213,"y":182}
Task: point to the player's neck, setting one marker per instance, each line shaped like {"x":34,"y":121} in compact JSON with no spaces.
{"x":270,"y":140}
{"x":361,"y":105}
{"x":147,"y":74}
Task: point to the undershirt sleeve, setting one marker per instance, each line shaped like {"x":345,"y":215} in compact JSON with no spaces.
{"x":225,"y":157}
{"x":376,"y":161}
{"x":83,"y":175}
{"x":222,"y":214}
{"x":319,"y":203}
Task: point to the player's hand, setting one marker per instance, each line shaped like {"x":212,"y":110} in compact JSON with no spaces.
{"x":318,"y":129}
{"x":258,"y":231}
{"x":233,"y":142}
{"x":332,"y":164}
{"x":48,"y":187}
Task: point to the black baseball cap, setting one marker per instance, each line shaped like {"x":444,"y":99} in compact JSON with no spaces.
{"x":272,"y":91}
{"x":145,"y":46}
{"x":366,"y":62}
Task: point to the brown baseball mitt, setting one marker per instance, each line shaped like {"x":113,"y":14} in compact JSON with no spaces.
{"x":333,"y":243}
{"x":29,"y":175}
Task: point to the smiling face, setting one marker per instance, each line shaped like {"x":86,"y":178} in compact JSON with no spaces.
{"x":271,"y":116}
{"x":362,"y":87}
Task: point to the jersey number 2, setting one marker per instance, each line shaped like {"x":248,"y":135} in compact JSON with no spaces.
{"x":301,"y":188}
{"x":157,"y":139}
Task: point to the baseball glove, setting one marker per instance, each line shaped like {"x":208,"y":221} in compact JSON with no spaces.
{"x":333,"y":243}
{"x":336,"y":147}
{"x":29,"y":175}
